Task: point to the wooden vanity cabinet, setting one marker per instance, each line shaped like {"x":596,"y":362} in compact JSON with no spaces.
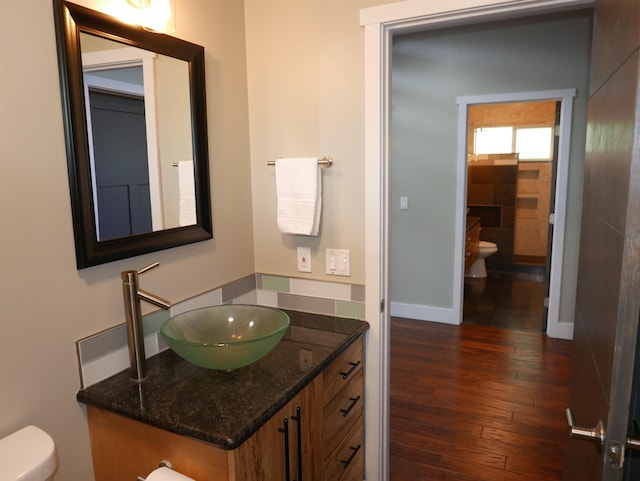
{"x":323,"y":425}
{"x":332,"y":443}
{"x":472,"y":246}
{"x":342,"y":414}
{"x":124,"y":449}
{"x":286,"y":441}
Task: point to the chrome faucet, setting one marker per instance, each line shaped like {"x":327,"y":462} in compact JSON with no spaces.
{"x":133,"y":315}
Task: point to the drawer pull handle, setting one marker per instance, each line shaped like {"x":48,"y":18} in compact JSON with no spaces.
{"x":285,"y":430}
{"x":353,"y":365}
{"x":298,"y":419}
{"x":353,"y":455}
{"x":354,"y":401}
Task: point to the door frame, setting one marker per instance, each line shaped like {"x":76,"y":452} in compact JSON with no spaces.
{"x":555,"y":328}
{"x":380,"y":23}
{"x":121,"y":58}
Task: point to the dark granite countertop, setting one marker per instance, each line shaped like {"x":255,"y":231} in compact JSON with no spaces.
{"x":226,"y":408}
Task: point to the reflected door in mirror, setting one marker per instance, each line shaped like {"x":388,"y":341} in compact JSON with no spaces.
{"x":120,"y":165}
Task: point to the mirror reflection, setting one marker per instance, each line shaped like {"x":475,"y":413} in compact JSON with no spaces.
{"x":139,"y":133}
{"x":134,"y":111}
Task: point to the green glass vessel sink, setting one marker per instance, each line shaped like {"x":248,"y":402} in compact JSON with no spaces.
{"x":225,"y":337}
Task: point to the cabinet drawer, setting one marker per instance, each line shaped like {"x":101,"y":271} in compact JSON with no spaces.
{"x":340,"y":414}
{"x":342,"y":370}
{"x":347,"y":462}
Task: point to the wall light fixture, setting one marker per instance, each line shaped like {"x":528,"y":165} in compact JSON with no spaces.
{"x":153,"y":15}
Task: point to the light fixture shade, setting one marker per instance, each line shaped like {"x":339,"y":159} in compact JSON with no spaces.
{"x":160,"y":16}
{"x":153,"y":15}
{"x":139,"y":3}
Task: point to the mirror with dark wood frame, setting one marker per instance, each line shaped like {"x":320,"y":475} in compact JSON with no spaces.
{"x":134,"y":112}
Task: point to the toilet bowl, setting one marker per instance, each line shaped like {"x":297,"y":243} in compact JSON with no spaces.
{"x":27,"y":455}
{"x":479,"y":267}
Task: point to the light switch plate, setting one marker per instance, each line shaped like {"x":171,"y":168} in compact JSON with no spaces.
{"x":338,"y":262}
{"x":304,"y":259}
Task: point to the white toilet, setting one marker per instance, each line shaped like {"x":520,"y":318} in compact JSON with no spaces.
{"x":479,"y":267}
{"x":27,"y":455}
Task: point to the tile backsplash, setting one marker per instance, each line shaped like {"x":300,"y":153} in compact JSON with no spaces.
{"x":105,"y":353}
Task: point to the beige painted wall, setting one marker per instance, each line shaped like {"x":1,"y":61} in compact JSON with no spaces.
{"x":174,"y":130}
{"x":46,"y":303}
{"x":305,"y":64}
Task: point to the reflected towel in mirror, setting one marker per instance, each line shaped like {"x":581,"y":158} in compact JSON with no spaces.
{"x":187,"y":213}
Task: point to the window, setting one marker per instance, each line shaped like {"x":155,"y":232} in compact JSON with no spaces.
{"x":531,"y":143}
{"x":493,"y":140}
{"x":534,"y":143}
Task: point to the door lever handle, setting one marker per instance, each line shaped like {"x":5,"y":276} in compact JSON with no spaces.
{"x":596,"y":434}
{"x":634,"y":443}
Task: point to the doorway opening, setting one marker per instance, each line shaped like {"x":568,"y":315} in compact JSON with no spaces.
{"x":562,"y":103}
{"x":382,"y":24}
{"x":512,"y":159}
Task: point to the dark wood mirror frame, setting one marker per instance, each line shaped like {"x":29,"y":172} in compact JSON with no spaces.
{"x":70,"y":21}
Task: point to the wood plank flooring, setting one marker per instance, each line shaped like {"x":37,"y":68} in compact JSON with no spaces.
{"x":506,"y":300}
{"x":475,"y":403}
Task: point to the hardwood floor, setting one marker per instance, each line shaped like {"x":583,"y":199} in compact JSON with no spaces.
{"x":506,"y":300}
{"x":475,"y":403}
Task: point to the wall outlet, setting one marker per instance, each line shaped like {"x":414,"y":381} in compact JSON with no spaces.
{"x":338,"y":262}
{"x":304,"y":259}
{"x":306,"y":359}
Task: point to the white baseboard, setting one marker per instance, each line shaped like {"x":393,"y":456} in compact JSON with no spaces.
{"x":424,"y":313}
{"x":560,"y":330}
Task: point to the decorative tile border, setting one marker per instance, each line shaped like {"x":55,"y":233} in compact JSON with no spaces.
{"x":273,"y":283}
{"x":105,"y":353}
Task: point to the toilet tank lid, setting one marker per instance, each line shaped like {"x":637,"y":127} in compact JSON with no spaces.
{"x":27,"y":455}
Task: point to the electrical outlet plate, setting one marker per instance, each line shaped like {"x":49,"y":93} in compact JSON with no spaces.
{"x":306,"y":359}
{"x":338,"y":262}
{"x":304,"y":259}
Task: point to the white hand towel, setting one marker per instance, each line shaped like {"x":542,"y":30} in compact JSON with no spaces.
{"x":299,"y":189}
{"x":186,"y":187}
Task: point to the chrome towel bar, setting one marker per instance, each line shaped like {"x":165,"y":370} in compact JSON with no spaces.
{"x":325,"y":161}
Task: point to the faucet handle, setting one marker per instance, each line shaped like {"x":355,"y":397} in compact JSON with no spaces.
{"x":148,"y":268}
